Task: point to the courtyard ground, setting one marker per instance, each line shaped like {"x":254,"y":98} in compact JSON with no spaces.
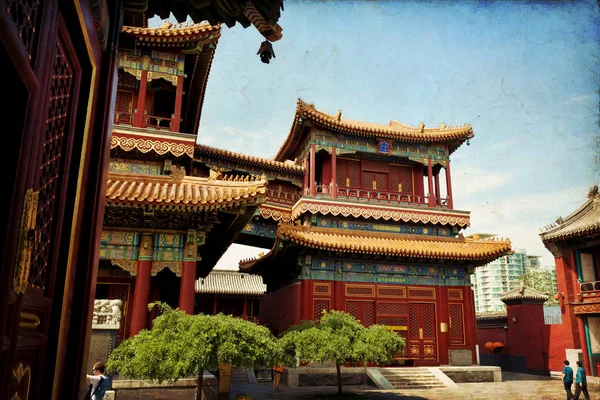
{"x":513,"y":386}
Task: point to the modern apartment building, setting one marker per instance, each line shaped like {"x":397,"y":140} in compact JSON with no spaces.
{"x":498,"y":277}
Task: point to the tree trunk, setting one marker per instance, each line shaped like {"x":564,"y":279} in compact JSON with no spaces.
{"x":339,"y":376}
{"x":200,"y":384}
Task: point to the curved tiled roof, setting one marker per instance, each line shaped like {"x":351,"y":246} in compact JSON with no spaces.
{"x":399,"y":245}
{"x":182,"y":190}
{"x":231,"y":282}
{"x":394,"y":130}
{"x":583,"y":221}
{"x":249,"y":160}
{"x":175,"y":35}
{"x":492,"y":316}
{"x":523,"y":293}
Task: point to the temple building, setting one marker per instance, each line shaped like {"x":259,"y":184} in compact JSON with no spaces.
{"x":371,"y":233}
{"x":575,"y":243}
{"x":61,"y":58}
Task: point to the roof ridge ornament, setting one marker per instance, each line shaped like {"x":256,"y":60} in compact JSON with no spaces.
{"x":593,"y":192}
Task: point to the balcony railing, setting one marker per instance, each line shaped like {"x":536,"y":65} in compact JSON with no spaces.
{"x":158,"y":122}
{"x":278,"y":196}
{"x":124,"y":118}
{"x":379,"y":196}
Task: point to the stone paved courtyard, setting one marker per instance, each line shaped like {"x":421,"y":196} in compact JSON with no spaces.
{"x":514,"y":386}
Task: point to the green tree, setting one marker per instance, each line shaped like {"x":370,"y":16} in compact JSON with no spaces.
{"x":340,"y":337}
{"x":540,"y":280}
{"x":179,"y":345}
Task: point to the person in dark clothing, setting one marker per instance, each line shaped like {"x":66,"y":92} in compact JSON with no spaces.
{"x":581,"y":382}
{"x":567,"y":377}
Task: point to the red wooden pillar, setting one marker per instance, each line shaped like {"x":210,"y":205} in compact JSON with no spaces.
{"x":431,"y":198}
{"x":307,"y":301}
{"x":215,"y":306}
{"x":438,"y":196}
{"x":449,"y":182}
{"x":306,"y":172}
{"x":334,"y":172}
{"x":176,"y":121}
{"x":141,"y":294}
{"x":584,"y":348}
{"x":443,"y":321}
{"x":141,"y":105}
{"x":338,"y":296}
{"x":244,"y":316}
{"x":313,"y":189}
{"x":187,"y":288}
{"x":470,"y":321}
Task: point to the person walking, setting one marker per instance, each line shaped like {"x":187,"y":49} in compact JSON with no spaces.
{"x":100,"y":382}
{"x":277,"y":371}
{"x":581,"y":382}
{"x":567,"y":378}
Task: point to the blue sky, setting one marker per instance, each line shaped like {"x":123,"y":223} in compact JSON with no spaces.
{"x":524,"y":74}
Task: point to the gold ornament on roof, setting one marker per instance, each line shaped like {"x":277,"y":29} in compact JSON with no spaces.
{"x":177,"y":173}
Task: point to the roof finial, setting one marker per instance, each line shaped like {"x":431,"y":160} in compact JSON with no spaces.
{"x":339,"y":115}
{"x":593,"y":192}
{"x":421,"y":127}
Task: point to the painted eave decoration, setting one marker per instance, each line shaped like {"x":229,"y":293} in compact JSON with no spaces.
{"x":582,"y":222}
{"x":146,"y":142}
{"x":231,"y":282}
{"x":395,"y":130}
{"x":262,"y":14}
{"x":180,"y":190}
{"x":394,"y":213}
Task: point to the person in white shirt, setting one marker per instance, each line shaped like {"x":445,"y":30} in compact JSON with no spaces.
{"x":98,"y":380}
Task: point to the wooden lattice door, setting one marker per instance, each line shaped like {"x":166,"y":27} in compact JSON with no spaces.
{"x":37,"y":279}
{"x":422,"y":340}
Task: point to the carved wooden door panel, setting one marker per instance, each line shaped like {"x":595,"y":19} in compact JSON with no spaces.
{"x":422,"y":340}
{"x":30,"y":334}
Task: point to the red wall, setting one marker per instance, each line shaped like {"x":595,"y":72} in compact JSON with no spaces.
{"x":281,"y":309}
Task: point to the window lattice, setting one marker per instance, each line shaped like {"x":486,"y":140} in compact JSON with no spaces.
{"x":368,"y":314}
{"x":354,"y":174}
{"x":391,"y":291}
{"x":381,"y":181}
{"x":373,"y":165}
{"x":52,"y":168}
{"x":127,"y":81}
{"x":320,"y":305}
{"x":421,"y":293}
{"x":392,"y":308}
{"x":354,"y":290}
{"x":322,"y":288}
{"x":25,"y":14}
{"x":428,"y":321}
{"x":413,"y":322}
{"x":393,"y":321}
{"x":455,"y":312}
{"x":406,"y":175}
{"x":367,"y":180}
{"x":455,"y":294}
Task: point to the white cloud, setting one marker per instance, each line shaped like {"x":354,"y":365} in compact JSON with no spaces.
{"x":474,"y":180}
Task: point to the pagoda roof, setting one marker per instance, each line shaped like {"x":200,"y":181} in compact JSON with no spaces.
{"x":395,"y":130}
{"x":268,"y":164}
{"x":180,"y":190}
{"x":175,"y":35}
{"x":231,"y":282}
{"x":478,"y":252}
{"x":523,"y":293}
{"x":263,"y":14}
{"x":582,"y":222}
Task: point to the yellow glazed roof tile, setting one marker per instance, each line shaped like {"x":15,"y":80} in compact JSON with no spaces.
{"x":583,"y":221}
{"x":178,"y":189}
{"x":397,"y":245}
{"x":174,"y":31}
